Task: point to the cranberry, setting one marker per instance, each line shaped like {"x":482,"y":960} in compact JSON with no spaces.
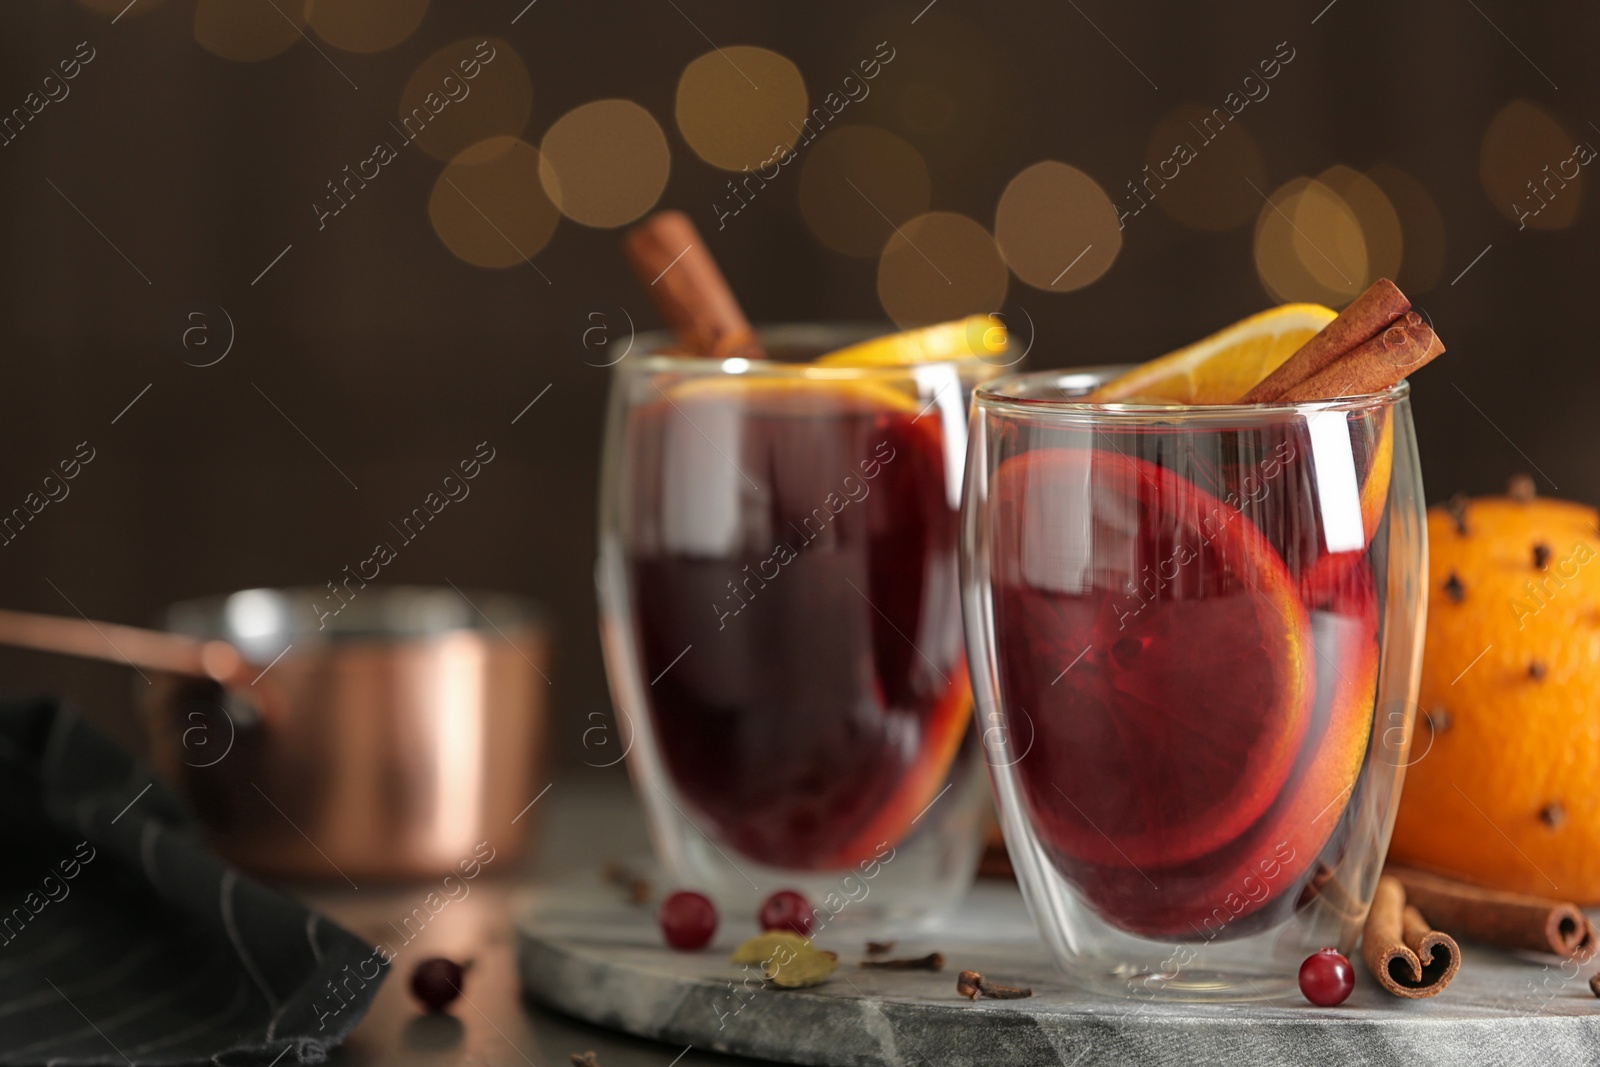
{"x":785,"y":910}
{"x":1326,"y":978}
{"x":687,"y":920}
{"x":436,"y":982}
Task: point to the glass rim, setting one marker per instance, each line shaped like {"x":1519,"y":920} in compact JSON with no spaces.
{"x":656,"y":354}
{"x":999,"y":395}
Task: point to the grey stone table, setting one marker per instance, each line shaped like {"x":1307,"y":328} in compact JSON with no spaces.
{"x":586,"y":954}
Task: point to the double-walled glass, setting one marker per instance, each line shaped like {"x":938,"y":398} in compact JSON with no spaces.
{"x":780,"y":602}
{"x":1195,"y":635}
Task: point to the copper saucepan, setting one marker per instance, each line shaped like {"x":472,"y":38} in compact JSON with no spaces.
{"x":385,"y":741}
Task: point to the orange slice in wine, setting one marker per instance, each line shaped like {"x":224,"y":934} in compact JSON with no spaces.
{"x":920,"y":785}
{"x":1375,"y":490}
{"x":1332,"y":569}
{"x":814,"y":393}
{"x":1261,"y":875}
{"x":1190,"y":680}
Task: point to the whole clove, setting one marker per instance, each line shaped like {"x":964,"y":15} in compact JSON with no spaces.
{"x":878,"y":948}
{"x":933,"y":961}
{"x":967,"y":984}
{"x":1454,"y":589}
{"x":1541,"y":556}
{"x":1521,"y":488}
{"x":1456,"y":507}
{"x":1594,"y":983}
{"x":1536,"y":671}
{"x":973,"y":985}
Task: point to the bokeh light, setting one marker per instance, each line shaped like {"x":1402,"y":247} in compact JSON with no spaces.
{"x":1203,"y":168}
{"x":1380,"y":223}
{"x":605,"y":163}
{"x":366,"y":25}
{"x":937,"y":267}
{"x":248,"y":30}
{"x":1528,"y":168}
{"x":489,"y":207}
{"x":1420,"y":221}
{"x":465,"y":92}
{"x":1309,"y":245}
{"x":1056,"y":227}
{"x":857,"y":184}
{"x":740,"y":106}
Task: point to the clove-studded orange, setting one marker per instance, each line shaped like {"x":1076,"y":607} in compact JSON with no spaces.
{"x":1506,"y":749}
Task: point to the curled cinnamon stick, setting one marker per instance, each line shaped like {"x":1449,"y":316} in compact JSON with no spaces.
{"x":674,"y":265}
{"x":1365,"y":317}
{"x":1507,"y":920}
{"x":1405,"y":955}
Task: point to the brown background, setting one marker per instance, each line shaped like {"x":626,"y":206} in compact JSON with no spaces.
{"x":396,"y":358}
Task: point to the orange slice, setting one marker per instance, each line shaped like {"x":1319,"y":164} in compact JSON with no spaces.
{"x":1224,"y":366}
{"x":975,"y":335}
{"x":1182,"y":714}
{"x":1259,"y":877}
{"x":1331,"y":569}
{"x":811,"y":394}
{"x":1375,"y":490}
{"x":921,"y":784}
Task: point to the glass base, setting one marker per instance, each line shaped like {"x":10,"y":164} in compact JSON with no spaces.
{"x":901,"y":888}
{"x":1194,"y":986}
{"x":1245,"y":961}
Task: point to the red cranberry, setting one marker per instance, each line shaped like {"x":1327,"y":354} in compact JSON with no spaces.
{"x":687,"y":920}
{"x":1326,"y":978}
{"x":786,"y":910}
{"x":436,"y":982}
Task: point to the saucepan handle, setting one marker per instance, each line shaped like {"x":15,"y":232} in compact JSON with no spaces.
{"x":130,"y":645}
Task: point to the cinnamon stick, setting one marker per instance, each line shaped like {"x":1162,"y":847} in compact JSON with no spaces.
{"x":1373,"y":366}
{"x":1405,"y":955}
{"x":1335,"y":896}
{"x":1365,"y":317}
{"x":672,"y":262}
{"x":1507,"y":920}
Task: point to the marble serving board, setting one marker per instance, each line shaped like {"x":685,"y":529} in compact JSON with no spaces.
{"x":602,"y":961}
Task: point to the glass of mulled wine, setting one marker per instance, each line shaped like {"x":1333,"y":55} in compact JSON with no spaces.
{"x":780,"y":606}
{"x":1195,"y":639}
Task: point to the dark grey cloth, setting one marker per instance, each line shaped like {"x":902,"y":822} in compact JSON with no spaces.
{"x":124,"y":941}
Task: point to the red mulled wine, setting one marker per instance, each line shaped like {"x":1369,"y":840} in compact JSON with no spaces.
{"x":1193,"y":665}
{"x":793,"y":569}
